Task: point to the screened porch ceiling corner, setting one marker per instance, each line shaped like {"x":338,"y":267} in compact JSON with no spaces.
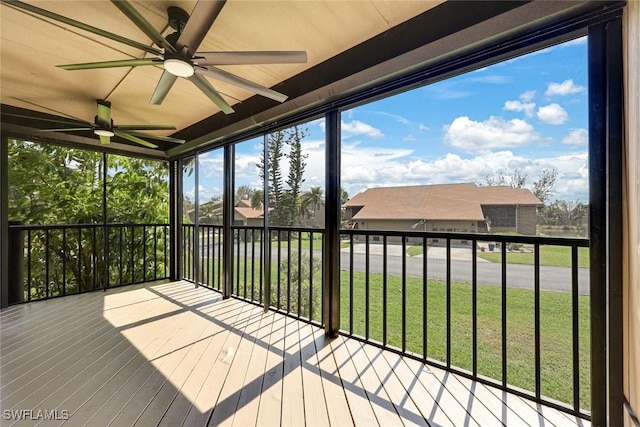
{"x":350,"y":46}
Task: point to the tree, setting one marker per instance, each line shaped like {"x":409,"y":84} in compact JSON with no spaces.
{"x":273,"y":171}
{"x":50,"y":184}
{"x":297,"y":164}
{"x":244,"y":192}
{"x":284,"y":203}
{"x":517,"y":178}
{"x":257,"y":199}
{"x":545,"y":186}
{"x":311,"y":202}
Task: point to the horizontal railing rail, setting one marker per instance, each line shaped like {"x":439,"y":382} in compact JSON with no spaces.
{"x":62,"y":259}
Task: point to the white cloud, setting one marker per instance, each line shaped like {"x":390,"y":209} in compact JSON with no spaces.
{"x":423,"y":128}
{"x":398,"y":118}
{"x":493,"y":133}
{"x":576,"y":137}
{"x":409,"y":138}
{"x":567,"y":87}
{"x":365,"y":167}
{"x":356,"y":127}
{"x":553,"y":114}
{"x":528,"y":96}
{"x":528,"y":107}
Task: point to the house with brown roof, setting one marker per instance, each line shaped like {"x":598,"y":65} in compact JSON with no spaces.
{"x":244,"y":214}
{"x":447,"y":207}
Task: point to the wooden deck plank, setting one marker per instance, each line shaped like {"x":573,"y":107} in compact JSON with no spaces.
{"x":163,"y":367}
{"x":160,"y":355}
{"x":270,"y":407}
{"x":207,"y":398}
{"x":229,"y":397}
{"x":171,"y":388}
{"x":35,"y":382}
{"x":177,"y":411}
{"x":428,"y":406}
{"x":359,"y":405}
{"x":480,"y":395}
{"x":334,"y":393}
{"x":472,"y":405}
{"x":292,"y":392}
{"x":402,"y":401}
{"x":380,"y":402}
{"x":116,"y":393}
{"x":315,"y":405}
{"x":456,"y":411}
{"x":249,"y":401}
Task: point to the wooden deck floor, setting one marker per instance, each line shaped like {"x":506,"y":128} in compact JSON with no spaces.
{"x":168,"y":354}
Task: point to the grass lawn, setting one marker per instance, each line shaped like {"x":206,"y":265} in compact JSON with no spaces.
{"x":558,"y":256}
{"x":556,"y":341}
{"x":415,"y":250}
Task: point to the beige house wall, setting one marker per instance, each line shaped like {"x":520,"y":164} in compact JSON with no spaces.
{"x":405,"y":225}
{"x":631,"y":211}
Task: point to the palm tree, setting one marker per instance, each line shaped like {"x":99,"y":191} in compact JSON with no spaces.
{"x":311,"y":201}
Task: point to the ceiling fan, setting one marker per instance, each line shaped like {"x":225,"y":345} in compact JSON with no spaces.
{"x":103,"y":126}
{"x":177,"y":52}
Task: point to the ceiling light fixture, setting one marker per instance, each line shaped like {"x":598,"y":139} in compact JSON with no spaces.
{"x":103,"y":132}
{"x":178,"y":67}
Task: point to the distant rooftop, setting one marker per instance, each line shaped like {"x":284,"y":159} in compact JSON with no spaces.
{"x":436,"y":202}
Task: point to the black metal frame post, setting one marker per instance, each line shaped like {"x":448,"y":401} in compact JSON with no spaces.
{"x":227,"y":219}
{"x":331,"y":248}
{"x":105,"y":232}
{"x":4,"y":221}
{"x":605,"y":183}
{"x":195,"y":253}
{"x":266,"y":238}
{"x":175,"y":218}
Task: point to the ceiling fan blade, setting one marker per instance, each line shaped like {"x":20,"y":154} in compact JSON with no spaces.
{"x":135,"y":139}
{"x":24,"y":116}
{"x":140,"y":21}
{"x":111,"y":64}
{"x":162,"y":89}
{"x":105,"y":139}
{"x":104,"y":112}
{"x":63,"y":130}
{"x":81,"y":25}
{"x":60,"y":113}
{"x":144,"y":127}
{"x":202,"y":17}
{"x":249,"y":57}
{"x":245,"y":84}
{"x":213,"y":94}
{"x":158,"y":137}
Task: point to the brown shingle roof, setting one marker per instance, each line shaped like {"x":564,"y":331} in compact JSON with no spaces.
{"x":243,"y":207}
{"x":436,"y":202}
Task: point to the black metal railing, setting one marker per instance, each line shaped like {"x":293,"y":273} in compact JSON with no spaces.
{"x":511,"y":308}
{"x":55,"y":260}
{"x":296,"y":271}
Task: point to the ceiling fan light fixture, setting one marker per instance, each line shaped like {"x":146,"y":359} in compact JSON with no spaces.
{"x":178,"y":67}
{"x":103,"y":132}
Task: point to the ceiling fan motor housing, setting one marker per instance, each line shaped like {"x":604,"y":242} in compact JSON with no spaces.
{"x":178,"y":18}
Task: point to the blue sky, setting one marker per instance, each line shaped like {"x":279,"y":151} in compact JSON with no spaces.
{"x":528,"y":113}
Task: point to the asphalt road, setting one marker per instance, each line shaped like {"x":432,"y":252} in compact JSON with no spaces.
{"x":488,"y":273}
